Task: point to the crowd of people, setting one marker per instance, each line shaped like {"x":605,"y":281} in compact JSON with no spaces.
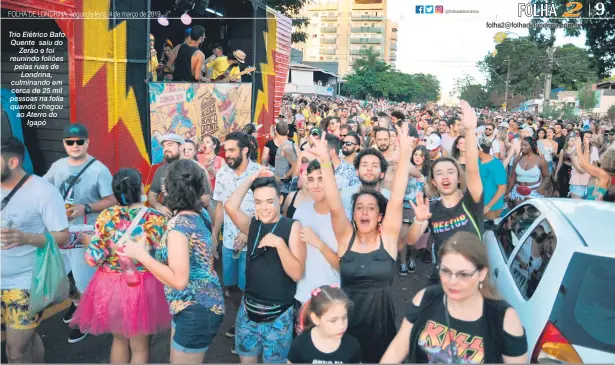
{"x":314,"y":227}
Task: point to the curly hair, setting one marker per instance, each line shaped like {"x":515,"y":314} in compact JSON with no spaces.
{"x":384,"y":165}
{"x":380,"y":199}
{"x":184,"y":184}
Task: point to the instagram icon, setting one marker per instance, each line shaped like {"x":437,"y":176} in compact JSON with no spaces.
{"x":439,"y":9}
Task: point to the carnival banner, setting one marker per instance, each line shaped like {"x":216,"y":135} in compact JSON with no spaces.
{"x":196,"y":110}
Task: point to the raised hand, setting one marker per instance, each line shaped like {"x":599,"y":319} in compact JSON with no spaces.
{"x":320,"y":149}
{"x":406,"y":142}
{"x":421,"y":208}
{"x":468,"y":119}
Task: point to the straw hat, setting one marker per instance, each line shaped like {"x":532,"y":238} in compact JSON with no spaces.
{"x":240,"y":55}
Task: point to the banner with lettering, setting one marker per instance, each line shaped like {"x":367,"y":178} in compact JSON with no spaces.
{"x":196,"y":110}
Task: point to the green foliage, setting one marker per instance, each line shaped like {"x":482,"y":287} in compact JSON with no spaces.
{"x":558,"y":110}
{"x":586,"y":97}
{"x":572,"y":67}
{"x":599,"y":30}
{"x":611,"y":112}
{"x":375,"y":78}
{"x":526,"y":66}
{"x":470,"y":90}
{"x":291,"y":9}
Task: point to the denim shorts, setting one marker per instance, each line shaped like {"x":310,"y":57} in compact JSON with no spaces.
{"x":233,"y":270}
{"x":195,"y":328}
{"x":578,"y":190}
{"x":271,"y":339}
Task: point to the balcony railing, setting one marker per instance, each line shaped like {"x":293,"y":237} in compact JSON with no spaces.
{"x":366,"y":40}
{"x":394,"y":46}
{"x":329,"y":17}
{"x":356,"y":16}
{"x":366,"y":29}
{"x":328,"y":40}
{"x":327,"y":51}
{"x":393,"y":57}
{"x":328,"y":30}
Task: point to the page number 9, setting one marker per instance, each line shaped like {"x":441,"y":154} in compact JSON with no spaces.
{"x":599,"y":9}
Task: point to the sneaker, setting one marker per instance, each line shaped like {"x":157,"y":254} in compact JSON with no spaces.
{"x":230,"y":333}
{"x":233,"y":350}
{"x":411,"y":266}
{"x":68,"y":316}
{"x":403,"y":270}
{"x":76,"y":336}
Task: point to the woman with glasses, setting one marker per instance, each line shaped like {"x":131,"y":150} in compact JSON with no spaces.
{"x":462,"y":320}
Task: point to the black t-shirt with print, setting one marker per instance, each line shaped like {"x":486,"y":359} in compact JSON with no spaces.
{"x":303,"y":351}
{"x":445,"y":222}
{"x":435,"y":338}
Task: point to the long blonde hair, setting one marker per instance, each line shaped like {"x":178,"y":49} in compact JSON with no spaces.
{"x":472,"y":249}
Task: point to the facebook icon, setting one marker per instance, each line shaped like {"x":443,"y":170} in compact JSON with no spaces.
{"x":419,"y":9}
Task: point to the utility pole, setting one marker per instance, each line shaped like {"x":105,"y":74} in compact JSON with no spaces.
{"x":549,"y":73}
{"x":507,"y":82}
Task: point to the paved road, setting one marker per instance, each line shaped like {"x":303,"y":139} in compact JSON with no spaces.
{"x":95,"y":349}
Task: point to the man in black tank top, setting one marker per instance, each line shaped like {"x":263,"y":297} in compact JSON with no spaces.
{"x":275,"y":262}
{"x":189,"y":60}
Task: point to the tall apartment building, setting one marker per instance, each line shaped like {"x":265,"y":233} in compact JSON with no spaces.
{"x":339,"y":29}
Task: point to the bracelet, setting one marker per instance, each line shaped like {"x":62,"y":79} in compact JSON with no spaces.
{"x":418,"y":221}
{"x":326,"y":164}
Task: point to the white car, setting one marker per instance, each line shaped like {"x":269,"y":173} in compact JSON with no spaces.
{"x":553,"y":260}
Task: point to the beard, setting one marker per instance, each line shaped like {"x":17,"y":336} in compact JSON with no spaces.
{"x":383,"y":148}
{"x":234,"y":163}
{"x":170,"y":158}
{"x":347,"y":153}
{"x":6,"y":173}
{"x":369,"y":183}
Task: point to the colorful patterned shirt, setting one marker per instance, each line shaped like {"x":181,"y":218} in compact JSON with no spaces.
{"x":110,"y":227}
{"x":346,"y":175}
{"x":203,"y":285}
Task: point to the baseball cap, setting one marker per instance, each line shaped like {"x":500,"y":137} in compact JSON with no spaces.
{"x":433,"y":142}
{"x":172,"y":137}
{"x":316,"y":131}
{"x":75,"y":131}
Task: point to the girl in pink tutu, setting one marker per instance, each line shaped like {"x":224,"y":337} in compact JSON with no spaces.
{"x":123,"y":298}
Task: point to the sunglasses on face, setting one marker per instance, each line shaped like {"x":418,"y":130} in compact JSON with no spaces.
{"x":348,"y":144}
{"x":488,"y":129}
{"x":343,"y":135}
{"x":79,"y":142}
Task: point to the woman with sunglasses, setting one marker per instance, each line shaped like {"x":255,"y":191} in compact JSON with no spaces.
{"x":473,"y":325}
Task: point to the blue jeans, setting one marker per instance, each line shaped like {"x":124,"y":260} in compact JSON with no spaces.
{"x":195,"y":328}
{"x":233,"y":270}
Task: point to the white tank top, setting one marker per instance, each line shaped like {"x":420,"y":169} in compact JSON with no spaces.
{"x":527,"y":176}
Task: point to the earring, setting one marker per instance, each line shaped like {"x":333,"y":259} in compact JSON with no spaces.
{"x":379,"y":228}
{"x":480,"y":286}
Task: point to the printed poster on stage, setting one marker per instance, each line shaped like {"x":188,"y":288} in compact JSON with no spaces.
{"x":196,"y":110}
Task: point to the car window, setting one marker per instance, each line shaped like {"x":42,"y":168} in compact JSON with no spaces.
{"x":511,"y":229}
{"x":584,"y":309}
{"x":533,"y":257}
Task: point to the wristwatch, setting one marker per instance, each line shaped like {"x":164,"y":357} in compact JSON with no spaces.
{"x":88,"y":208}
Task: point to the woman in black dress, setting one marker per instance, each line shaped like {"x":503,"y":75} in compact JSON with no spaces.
{"x":368,"y":250}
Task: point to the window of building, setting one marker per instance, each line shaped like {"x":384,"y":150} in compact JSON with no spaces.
{"x":513,"y":227}
{"x":533,"y":257}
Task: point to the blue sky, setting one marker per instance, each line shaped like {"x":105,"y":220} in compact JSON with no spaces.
{"x":448,"y":45}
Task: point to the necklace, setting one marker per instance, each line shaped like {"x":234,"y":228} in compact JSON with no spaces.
{"x":258,"y":234}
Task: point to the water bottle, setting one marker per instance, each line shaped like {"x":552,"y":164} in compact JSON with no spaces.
{"x":6,"y":223}
{"x":130,"y":273}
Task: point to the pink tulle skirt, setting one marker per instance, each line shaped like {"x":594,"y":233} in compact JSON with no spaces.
{"x":109,"y":305}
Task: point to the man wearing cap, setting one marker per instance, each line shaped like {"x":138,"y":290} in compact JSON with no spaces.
{"x":228,"y":66}
{"x":171,"y":146}
{"x":85,"y":186}
{"x":189,"y":60}
{"x":434,"y":146}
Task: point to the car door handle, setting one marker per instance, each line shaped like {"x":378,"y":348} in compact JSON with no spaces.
{"x":496,"y":272}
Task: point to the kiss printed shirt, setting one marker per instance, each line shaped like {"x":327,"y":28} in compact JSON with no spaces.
{"x":463,"y":342}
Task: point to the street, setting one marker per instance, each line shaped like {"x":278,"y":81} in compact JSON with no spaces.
{"x":95,"y":349}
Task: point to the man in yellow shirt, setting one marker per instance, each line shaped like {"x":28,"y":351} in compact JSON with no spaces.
{"x":227,"y":66}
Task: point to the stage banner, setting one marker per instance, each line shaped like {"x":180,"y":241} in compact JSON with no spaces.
{"x":196,"y":110}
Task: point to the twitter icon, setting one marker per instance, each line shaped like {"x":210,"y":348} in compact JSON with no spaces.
{"x":429,"y":9}
{"x":419,"y":9}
